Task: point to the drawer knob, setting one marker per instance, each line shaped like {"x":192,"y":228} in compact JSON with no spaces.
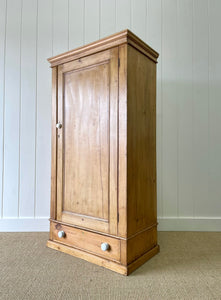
{"x":61,"y":234}
{"x":105,"y":246}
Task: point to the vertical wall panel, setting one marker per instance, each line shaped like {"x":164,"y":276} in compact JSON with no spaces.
{"x":123,"y":14}
{"x":185,"y":107}
{"x":60,"y":26}
{"x":28,"y":101}
{"x":76,"y":24}
{"x":184,"y":32}
{"x":3,"y":12}
{"x":149,"y":10}
{"x":200,"y":108}
{"x":43,"y":113}
{"x":108,"y":18}
{"x":169,"y":100}
{"x":138,"y":17}
{"x":12,"y":109}
{"x":92,"y":20}
{"x":214,"y":110}
{"x":153,"y":38}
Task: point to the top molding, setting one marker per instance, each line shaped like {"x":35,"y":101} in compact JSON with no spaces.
{"x":123,"y":37}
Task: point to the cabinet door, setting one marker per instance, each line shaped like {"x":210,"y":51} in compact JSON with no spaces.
{"x":87,"y":142}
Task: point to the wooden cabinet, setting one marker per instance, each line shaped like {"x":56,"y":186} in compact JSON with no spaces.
{"x":103,"y":181}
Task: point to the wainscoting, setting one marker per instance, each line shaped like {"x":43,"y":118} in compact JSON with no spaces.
{"x":185,"y":33}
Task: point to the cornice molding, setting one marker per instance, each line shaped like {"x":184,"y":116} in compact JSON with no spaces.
{"x":123,"y":37}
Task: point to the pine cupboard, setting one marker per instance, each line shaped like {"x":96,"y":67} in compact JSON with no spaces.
{"x":103,"y":172}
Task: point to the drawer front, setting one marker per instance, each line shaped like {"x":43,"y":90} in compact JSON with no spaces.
{"x":87,"y":241}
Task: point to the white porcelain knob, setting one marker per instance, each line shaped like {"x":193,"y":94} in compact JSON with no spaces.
{"x":105,"y":246}
{"x":61,"y":234}
{"x":58,"y":125}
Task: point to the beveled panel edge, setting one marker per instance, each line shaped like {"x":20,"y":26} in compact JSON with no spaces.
{"x":122,"y":37}
{"x":86,"y":229}
{"x":51,"y":220}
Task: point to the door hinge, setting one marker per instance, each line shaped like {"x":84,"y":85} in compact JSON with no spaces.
{"x":118,"y":217}
{"x":118,"y":62}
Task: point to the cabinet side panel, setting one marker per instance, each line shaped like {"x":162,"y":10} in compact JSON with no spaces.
{"x":122,"y":164}
{"x":141,"y":142}
{"x":53,"y":144}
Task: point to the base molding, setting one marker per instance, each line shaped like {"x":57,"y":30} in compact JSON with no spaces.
{"x":24,"y":224}
{"x":113,"y":266}
{"x":189,"y":224}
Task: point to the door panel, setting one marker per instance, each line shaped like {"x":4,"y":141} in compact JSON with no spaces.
{"x":87,"y":142}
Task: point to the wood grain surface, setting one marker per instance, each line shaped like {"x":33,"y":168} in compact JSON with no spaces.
{"x":87,"y":141}
{"x":87,"y":241}
{"x":106,"y":153}
{"x":141,"y":142}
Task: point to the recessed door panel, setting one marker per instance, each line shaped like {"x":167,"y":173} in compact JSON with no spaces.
{"x":87,"y":142}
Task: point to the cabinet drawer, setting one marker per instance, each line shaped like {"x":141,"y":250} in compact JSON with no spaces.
{"x":85,"y":240}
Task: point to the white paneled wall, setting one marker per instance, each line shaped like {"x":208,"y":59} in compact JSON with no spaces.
{"x":186,"y":33}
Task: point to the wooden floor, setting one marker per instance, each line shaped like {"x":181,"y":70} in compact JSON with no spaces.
{"x":187,"y":267}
